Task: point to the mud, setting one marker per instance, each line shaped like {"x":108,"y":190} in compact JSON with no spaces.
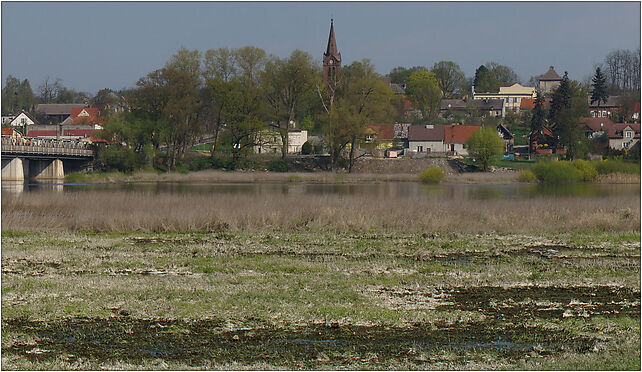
{"x":201,"y":342}
{"x":529,"y":301}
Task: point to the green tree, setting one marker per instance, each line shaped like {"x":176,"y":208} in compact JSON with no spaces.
{"x":538,"y":115}
{"x":400,"y":75}
{"x":561,"y":99}
{"x":187,"y":61}
{"x":489,"y":77}
{"x":484,"y":144}
{"x":170,"y":98}
{"x":105,"y":100}
{"x":450,"y":77}
{"x":568,"y":105}
{"x":599,"y":94}
{"x":423,"y":90}
{"x":286,"y":82}
{"x":16,"y":96}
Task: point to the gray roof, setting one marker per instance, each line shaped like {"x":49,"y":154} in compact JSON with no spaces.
{"x":57,"y":108}
{"x":612,"y":101}
{"x":397,"y":88}
{"x":479,"y":104}
{"x":488,"y":104}
{"x":550,"y":75}
{"x":421,"y":133}
{"x":446,"y":104}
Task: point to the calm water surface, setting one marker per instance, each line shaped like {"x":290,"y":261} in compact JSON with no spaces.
{"x":387,"y":190}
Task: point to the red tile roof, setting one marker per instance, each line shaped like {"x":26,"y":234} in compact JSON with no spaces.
{"x":459,"y":133}
{"x":616,"y":131}
{"x":93,"y":118}
{"x":529,"y":103}
{"x":598,"y":124}
{"x":385,"y":132}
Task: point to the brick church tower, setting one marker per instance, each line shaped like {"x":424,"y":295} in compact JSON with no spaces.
{"x":331,"y":60}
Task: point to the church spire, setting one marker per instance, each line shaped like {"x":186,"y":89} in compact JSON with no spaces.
{"x":332,"y":42}
{"x":331,"y":60}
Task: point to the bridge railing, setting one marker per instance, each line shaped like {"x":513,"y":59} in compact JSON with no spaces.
{"x":45,"y":146}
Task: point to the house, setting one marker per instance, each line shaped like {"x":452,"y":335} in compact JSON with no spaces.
{"x":624,"y":136}
{"x":7,"y":118}
{"x":507,"y":136}
{"x":426,"y":138}
{"x":10,"y":135}
{"x":270,"y":141}
{"x":456,"y":136}
{"x":604,"y":109}
{"x":380,"y":134}
{"x":543,"y":141}
{"x":23,"y":119}
{"x":512,"y":96}
{"x":549,"y":81}
{"x":56,"y":113}
{"x":529,"y":104}
{"x":85,"y":115}
{"x":490,"y":107}
{"x":596,"y":126}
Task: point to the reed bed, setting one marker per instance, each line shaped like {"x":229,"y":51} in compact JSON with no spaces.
{"x":127,"y":211}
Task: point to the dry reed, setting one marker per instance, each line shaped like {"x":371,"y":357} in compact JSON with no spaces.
{"x":121,"y":211}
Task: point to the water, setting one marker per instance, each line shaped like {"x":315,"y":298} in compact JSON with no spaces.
{"x":379,"y":190}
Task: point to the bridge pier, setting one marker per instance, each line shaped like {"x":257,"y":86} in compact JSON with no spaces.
{"x":15,"y":169}
{"x":46,"y":169}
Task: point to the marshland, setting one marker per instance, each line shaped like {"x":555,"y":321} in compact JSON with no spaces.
{"x":314,"y":275}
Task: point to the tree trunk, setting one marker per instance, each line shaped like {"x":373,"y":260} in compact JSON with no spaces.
{"x":351,"y":161}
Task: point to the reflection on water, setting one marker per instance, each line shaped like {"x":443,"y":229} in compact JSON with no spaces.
{"x":381,"y":190}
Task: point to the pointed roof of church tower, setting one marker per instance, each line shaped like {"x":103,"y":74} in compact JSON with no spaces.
{"x":332,"y":43}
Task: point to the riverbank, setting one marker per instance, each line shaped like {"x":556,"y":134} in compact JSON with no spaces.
{"x":300,"y":299}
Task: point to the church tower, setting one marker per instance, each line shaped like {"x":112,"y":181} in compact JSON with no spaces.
{"x":331,"y":60}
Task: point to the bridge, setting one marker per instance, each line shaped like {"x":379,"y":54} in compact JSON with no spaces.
{"x":42,"y":159}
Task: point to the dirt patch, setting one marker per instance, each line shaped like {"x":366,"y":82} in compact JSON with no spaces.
{"x":522,"y":302}
{"x":207,"y":341}
{"x":399,"y":166}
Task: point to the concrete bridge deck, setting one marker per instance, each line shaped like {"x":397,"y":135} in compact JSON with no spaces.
{"x":37,"y":158}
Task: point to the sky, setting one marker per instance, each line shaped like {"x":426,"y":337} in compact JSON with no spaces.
{"x":96,"y":45}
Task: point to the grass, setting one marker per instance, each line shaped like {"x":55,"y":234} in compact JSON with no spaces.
{"x":125,"y":211}
{"x":398,"y":295}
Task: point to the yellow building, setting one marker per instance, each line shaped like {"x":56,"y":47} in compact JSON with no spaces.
{"x":512,"y":96}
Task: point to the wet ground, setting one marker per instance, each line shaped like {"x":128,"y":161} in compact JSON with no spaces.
{"x":197,"y":342}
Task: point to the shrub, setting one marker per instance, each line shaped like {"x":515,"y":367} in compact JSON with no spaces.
{"x":278,"y":166}
{"x":587,"y":170}
{"x":432,"y":175}
{"x":485,"y":144}
{"x":526,"y":175}
{"x":306,"y":148}
{"x":556,"y":172}
{"x":121,"y":158}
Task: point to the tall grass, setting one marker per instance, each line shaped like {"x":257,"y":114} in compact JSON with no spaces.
{"x":616,"y":166}
{"x":125,"y":211}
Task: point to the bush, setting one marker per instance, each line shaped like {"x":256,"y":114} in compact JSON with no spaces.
{"x":306,"y":148}
{"x":526,"y":175}
{"x":278,"y":166}
{"x":121,"y":158}
{"x":432,"y":175}
{"x":556,"y":172}
{"x":615,"y":166}
{"x":587,"y":170}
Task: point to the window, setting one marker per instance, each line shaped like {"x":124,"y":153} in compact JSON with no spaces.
{"x":420,"y":149}
{"x":510,"y":99}
{"x":23,"y":121}
{"x":628,"y":134}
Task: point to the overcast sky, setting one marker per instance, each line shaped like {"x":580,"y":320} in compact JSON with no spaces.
{"x":91,"y":46}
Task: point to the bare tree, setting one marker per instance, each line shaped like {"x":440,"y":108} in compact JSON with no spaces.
{"x":49,"y":89}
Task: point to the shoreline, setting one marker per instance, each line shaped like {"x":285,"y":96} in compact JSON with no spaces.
{"x":482,"y":178}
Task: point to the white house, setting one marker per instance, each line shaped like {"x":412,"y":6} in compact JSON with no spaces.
{"x":270,"y":141}
{"x":22,"y":119}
